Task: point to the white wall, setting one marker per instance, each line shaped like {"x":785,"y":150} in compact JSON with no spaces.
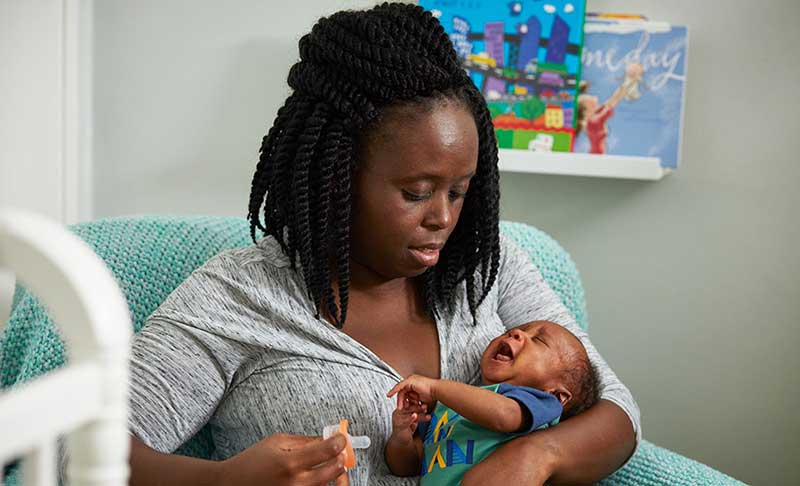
{"x":185,"y":91}
{"x":45,"y":124}
{"x":31,"y":116}
{"x":692,"y":281}
{"x":44,"y":113}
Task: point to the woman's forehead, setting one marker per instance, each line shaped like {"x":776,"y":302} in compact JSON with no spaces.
{"x":441,"y":142}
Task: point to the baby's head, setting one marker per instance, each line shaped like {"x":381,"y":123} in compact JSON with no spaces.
{"x":546,"y":356}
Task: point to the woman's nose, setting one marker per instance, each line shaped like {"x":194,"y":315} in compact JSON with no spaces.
{"x":440,"y":213}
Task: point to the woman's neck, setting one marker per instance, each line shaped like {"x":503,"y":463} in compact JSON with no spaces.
{"x":368,"y":282}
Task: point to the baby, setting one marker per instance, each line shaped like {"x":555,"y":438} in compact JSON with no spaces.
{"x":534,"y":375}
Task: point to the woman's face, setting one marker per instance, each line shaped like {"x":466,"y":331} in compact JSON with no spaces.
{"x":408,"y":192}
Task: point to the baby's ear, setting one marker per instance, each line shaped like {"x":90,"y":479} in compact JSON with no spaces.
{"x":563,"y":395}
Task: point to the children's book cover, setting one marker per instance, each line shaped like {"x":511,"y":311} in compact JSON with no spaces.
{"x":631,"y":96}
{"x":524,"y":56}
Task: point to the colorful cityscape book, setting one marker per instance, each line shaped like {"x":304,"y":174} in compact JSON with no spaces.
{"x":632,"y":89}
{"x":524,"y":56}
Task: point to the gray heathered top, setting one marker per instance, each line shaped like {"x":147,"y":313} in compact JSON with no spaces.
{"x":237,"y":345}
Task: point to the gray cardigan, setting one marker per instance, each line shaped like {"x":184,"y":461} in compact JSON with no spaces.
{"x":237,"y":345}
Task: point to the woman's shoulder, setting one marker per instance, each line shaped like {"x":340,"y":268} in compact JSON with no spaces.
{"x":249,"y":276}
{"x":266,"y":252}
{"x":511,"y":255}
{"x":262,"y":261}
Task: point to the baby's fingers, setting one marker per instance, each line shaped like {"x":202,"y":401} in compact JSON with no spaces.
{"x":415,"y":406}
{"x":401,"y":420}
{"x":396,"y":388}
{"x":401,"y":399}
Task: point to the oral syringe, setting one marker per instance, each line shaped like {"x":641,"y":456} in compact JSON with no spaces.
{"x":353,"y":442}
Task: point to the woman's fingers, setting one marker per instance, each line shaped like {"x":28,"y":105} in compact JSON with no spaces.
{"x":288,"y":442}
{"x":342,"y":480}
{"x":321,"y":451}
{"x":325,"y":473}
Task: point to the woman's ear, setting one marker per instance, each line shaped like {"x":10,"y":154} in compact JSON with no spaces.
{"x":562,"y":393}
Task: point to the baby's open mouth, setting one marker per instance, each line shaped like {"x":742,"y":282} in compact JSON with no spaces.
{"x":504,"y":353}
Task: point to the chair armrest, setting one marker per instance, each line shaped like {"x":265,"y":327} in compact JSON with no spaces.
{"x":656,"y":466}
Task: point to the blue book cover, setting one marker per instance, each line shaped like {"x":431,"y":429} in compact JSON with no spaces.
{"x":632,"y":90}
{"x":524,"y":56}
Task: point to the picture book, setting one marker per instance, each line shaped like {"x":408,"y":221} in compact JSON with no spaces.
{"x":631,"y":96}
{"x":524,"y":56}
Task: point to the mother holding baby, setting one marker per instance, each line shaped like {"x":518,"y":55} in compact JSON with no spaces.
{"x":381,"y":259}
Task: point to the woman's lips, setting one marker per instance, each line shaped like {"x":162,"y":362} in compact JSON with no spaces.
{"x":427,"y":257}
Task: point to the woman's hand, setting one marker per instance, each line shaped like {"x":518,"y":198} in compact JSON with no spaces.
{"x":525,"y":460}
{"x":288,"y":460}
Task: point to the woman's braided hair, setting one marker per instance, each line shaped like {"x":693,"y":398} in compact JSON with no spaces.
{"x":353,"y":66}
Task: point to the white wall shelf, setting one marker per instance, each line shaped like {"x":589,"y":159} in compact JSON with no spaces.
{"x":578,"y":164}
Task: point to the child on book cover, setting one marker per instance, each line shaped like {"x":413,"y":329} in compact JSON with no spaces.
{"x":593,"y":115}
{"x":534,"y":375}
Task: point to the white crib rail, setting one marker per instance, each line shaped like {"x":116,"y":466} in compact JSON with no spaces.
{"x":86,"y":400}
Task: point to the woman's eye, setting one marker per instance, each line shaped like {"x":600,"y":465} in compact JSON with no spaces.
{"x":413,"y":196}
{"x":455,"y":195}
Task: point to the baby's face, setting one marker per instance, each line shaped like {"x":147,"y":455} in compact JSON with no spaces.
{"x":529,"y":355}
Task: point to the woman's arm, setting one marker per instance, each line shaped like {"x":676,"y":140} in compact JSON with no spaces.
{"x":581,"y":450}
{"x":277,"y":460}
{"x":592,"y":445}
{"x":152,"y":468}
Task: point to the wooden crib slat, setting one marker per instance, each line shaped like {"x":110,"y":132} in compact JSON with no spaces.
{"x":86,"y":401}
{"x":39,"y":466}
{"x":52,"y":405}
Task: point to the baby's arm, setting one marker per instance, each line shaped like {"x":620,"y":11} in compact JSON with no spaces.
{"x":484,"y":407}
{"x":403,"y":451}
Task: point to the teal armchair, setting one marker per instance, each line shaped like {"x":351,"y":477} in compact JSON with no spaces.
{"x":151,"y":255}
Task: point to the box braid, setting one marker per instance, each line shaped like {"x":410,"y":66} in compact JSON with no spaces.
{"x":353,"y":66}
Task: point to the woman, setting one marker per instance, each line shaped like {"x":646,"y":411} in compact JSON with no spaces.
{"x":381,"y":258}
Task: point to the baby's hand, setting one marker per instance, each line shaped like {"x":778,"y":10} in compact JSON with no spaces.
{"x":415,"y":387}
{"x":405,"y":420}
